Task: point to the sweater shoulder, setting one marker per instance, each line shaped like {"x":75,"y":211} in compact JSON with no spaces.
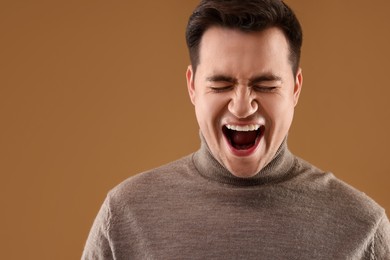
{"x":156,"y":179}
{"x":336,"y":194}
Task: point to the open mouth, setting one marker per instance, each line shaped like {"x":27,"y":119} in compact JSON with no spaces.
{"x":243,"y":137}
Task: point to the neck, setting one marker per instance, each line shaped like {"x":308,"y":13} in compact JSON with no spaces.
{"x":276,"y":170}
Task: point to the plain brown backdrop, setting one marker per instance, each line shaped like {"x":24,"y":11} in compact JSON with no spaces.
{"x":92,"y":92}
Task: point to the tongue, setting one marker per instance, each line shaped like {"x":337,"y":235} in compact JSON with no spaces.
{"x":241,"y":138}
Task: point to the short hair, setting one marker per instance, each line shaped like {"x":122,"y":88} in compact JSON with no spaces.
{"x":247,"y":16}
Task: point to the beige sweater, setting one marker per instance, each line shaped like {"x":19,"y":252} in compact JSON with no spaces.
{"x":195,"y":209}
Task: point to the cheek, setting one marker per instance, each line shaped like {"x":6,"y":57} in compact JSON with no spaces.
{"x":211,"y":108}
{"x":278,"y":111}
{"x":204,"y":115}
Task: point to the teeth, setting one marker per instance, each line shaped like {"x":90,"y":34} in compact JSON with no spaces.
{"x":243,"y":127}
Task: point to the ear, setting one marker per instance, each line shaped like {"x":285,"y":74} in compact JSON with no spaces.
{"x":298,"y":86}
{"x":191,"y":83}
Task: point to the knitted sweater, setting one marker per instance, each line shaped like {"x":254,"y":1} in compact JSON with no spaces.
{"x":194,"y":208}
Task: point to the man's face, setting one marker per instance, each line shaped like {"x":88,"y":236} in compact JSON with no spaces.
{"x":244,"y":93}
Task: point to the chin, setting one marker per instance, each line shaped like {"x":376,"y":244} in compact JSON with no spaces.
{"x":243,"y":172}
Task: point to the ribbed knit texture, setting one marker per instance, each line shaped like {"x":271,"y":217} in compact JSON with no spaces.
{"x":195,"y":209}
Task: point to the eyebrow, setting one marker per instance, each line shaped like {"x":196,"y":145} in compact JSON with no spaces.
{"x":264,"y":78}
{"x":221,"y":78}
{"x":254,"y":80}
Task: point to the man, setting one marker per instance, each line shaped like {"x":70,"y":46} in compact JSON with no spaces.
{"x":243,"y":195}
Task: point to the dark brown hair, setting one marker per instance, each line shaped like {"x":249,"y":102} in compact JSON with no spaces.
{"x":245,"y":15}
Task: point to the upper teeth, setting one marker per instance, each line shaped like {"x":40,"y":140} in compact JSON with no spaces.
{"x":243,"y":127}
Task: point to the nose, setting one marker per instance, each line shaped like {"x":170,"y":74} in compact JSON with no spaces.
{"x":243,"y":104}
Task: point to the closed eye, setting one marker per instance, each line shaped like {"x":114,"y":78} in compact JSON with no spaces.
{"x":221,"y":89}
{"x":264,"y":89}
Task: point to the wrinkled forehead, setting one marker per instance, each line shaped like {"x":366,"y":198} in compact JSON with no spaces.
{"x":233,"y":50}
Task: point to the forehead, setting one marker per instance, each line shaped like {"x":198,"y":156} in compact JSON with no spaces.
{"x":235,"y":50}
{"x":221,"y":38}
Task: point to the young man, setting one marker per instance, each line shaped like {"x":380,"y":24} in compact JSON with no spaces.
{"x":243,"y":195}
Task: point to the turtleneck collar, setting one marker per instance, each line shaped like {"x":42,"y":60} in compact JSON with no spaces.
{"x":275,"y":171}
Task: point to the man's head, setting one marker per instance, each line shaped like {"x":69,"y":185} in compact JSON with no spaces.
{"x":246,"y":16}
{"x":246,"y":85}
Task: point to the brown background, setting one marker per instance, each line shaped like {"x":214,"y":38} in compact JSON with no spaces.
{"x":92,"y":92}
